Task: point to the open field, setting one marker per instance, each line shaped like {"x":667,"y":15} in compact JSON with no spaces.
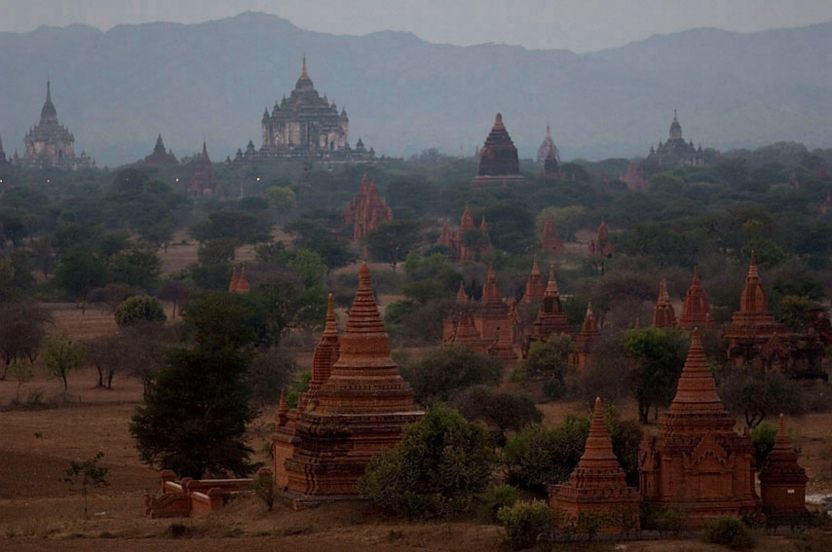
{"x":40,"y":512}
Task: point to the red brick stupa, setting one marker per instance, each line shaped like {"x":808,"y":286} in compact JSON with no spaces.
{"x":633,"y":179}
{"x":601,"y":244}
{"x":663,"y":314}
{"x":355,"y":414}
{"x":160,"y":156}
{"x":454,"y":240}
{"x":699,"y":466}
{"x":535,"y":287}
{"x":696,"y":310}
{"x":782,"y":480}
{"x":498,"y":161}
{"x":586,"y":339}
{"x":367,"y":210}
{"x":549,"y":239}
{"x":551,"y":319}
{"x":239,"y":282}
{"x":202,"y":182}
{"x":597,"y":486}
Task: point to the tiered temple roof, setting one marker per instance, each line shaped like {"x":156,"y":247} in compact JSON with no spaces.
{"x":160,"y":156}
{"x":663,"y":314}
{"x":551,"y":319}
{"x":696,"y":310}
{"x":535,"y":288}
{"x":202,"y":181}
{"x":782,"y":479}
{"x":455,"y":240}
{"x":367,"y":210}
{"x":597,"y":486}
{"x":586,"y":338}
{"x":498,"y":159}
{"x":549,"y":239}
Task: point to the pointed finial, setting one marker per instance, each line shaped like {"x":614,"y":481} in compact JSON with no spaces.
{"x":282,"y":405}
{"x":48,"y":91}
{"x":548,"y":130}
{"x":498,"y":120}
{"x":331,"y":326}
{"x":589,"y":308}
{"x":364,"y":281}
{"x":304,"y":74}
{"x":674,"y":114}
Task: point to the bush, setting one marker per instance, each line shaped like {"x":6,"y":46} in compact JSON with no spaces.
{"x":501,"y":410}
{"x":762,"y":441}
{"x":437,"y":468}
{"x":139,"y":309}
{"x":445,"y":371}
{"x":525,"y":523}
{"x":537,"y":456}
{"x":547,"y":359}
{"x":730,"y":532}
{"x":496,"y":497}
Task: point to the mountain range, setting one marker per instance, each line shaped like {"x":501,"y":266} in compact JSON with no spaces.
{"x":117,"y":89}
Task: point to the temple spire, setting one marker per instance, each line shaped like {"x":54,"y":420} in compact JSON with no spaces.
{"x":552,"y":284}
{"x":303,"y":73}
{"x":331,"y":326}
{"x":696,"y":390}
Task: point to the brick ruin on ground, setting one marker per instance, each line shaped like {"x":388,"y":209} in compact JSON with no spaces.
{"x":600,"y":246}
{"x":596,"y":488}
{"x":351,"y":415}
{"x":367,"y":211}
{"x":239,"y":282}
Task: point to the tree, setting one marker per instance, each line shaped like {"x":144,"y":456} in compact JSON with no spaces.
{"x":175,"y":291}
{"x":447,"y":370}
{"x":79,"y":273}
{"x":23,"y":370}
{"x":106,"y":354}
{"x":232,"y":224}
{"x":392,"y":241}
{"x":21,"y":332}
{"x":222,"y":320}
{"x":436,"y":469}
{"x":140,"y":309}
{"x":548,"y":360}
{"x":281,"y":198}
{"x":89,"y":473}
{"x":61,"y":356}
{"x":194,"y":415}
{"x":757,"y":394}
{"x":656,"y":358}
{"x":136,"y":266}
{"x":503,"y":411}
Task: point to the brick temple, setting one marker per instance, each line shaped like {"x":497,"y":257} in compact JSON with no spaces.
{"x":354,"y":413}
{"x":462,"y":248}
{"x":601,"y":246}
{"x":782,"y":479}
{"x":698,"y":465}
{"x":596,"y":487}
{"x":632,"y":178}
{"x":367,"y":211}
{"x":498,"y":161}
{"x":160,"y":157}
{"x":550,"y":241}
{"x":696,"y":310}
{"x":663,"y":314}
{"x":551,"y":319}
{"x":202,"y":182}
{"x":535,"y":287}
{"x":586,"y":339}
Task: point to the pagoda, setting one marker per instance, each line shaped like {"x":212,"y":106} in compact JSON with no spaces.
{"x":698,"y":466}
{"x":782,"y":479}
{"x":548,"y":156}
{"x":675,"y":151}
{"x":586,"y":339}
{"x":455,"y":240}
{"x":202,"y":182}
{"x":696,"y":310}
{"x":50,"y":145}
{"x":160,"y":156}
{"x":549,"y":239}
{"x":597,"y":486}
{"x":663,"y":313}
{"x":239,"y":282}
{"x":633,"y":179}
{"x":367,"y":211}
{"x":356,"y":412}
{"x":535,"y":288}
{"x":600,"y":246}
{"x":551,"y":319}
{"x":498,"y":161}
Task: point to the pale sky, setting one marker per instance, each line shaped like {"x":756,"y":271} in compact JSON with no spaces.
{"x":578,"y":25}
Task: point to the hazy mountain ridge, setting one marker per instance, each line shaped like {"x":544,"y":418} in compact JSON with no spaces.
{"x":116,"y":90}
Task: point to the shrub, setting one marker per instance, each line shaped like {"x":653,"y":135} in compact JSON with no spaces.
{"x":547,"y":359}
{"x":762,"y":441}
{"x":496,"y":497}
{"x":501,"y":410}
{"x":445,"y":371}
{"x":525,"y":523}
{"x":138,"y":309}
{"x":437,"y":468}
{"x":537,"y":456}
{"x":730,"y":532}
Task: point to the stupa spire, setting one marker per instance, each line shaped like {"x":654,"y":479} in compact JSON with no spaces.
{"x":696,"y":390}
{"x":304,"y":74}
{"x":461,"y":296}
{"x":235,"y":277}
{"x":552,"y":284}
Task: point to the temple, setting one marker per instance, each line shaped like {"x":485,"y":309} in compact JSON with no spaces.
{"x":535,"y":288}
{"x":586,"y":339}
{"x":676,"y":152}
{"x":755,"y":338}
{"x":550,"y":240}
{"x":306,"y":125}
{"x":698,"y":466}
{"x":601,"y":246}
{"x":4,"y":162}
{"x":597,"y":488}
{"x":549,"y":157}
{"x":783,"y":480}
{"x":50,"y":145}
{"x":467,"y":242}
{"x":663,"y":314}
{"x":160,"y":157}
{"x":551,"y":319}
{"x":632,"y":178}
{"x":239,"y":282}
{"x":367,"y":211}
{"x":202,"y":182}
{"x":696,"y":310}
{"x":355,"y":412}
{"x":498,"y":161}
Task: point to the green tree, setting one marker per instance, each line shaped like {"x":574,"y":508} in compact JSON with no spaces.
{"x":392,"y":241}
{"x":436,"y":470}
{"x":547,"y":360}
{"x":503,"y":411}
{"x":86,"y":474}
{"x":281,"y":198}
{"x":448,"y":370}
{"x":194,"y":415}
{"x":21,"y":332}
{"x":137,"y":266}
{"x":79,"y":273}
{"x":656,"y":358}
{"x":138,"y":310}
{"x":757,"y":394}
{"x":61,"y":356}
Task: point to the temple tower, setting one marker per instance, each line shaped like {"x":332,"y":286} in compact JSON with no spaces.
{"x":535,"y":287}
{"x":549,"y":239}
{"x":597,"y":486}
{"x":663,"y":314}
{"x":782,"y":480}
{"x":160,"y":157}
{"x":696,"y":310}
{"x":367,"y":211}
{"x":551,"y":319}
{"x":698,"y":466}
{"x":498,"y":161}
{"x":202,"y":181}
{"x":586,"y":339}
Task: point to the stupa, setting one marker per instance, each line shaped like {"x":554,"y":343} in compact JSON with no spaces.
{"x":663,"y":314}
{"x":367,"y":211}
{"x":535,"y":287}
{"x":586,"y":339}
{"x":551,"y":319}
{"x":356,"y":413}
{"x":782,"y":480}
{"x":597,"y":486}
{"x":160,"y":157}
{"x":202,"y":181}
{"x":549,"y":239}
{"x":696,"y":310}
{"x":698,"y":466}
{"x":455,"y":240}
{"x":498,"y":161}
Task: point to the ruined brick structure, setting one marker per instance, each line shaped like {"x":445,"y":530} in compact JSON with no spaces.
{"x":597,"y":487}
{"x":698,"y":465}
{"x":202,"y":182}
{"x":50,"y":145}
{"x":633,"y":179}
{"x":498,"y":161}
{"x":367,"y":210}
{"x":551,"y":319}
{"x":160,"y":157}
{"x":586,"y":339}
{"x":549,"y":239}
{"x":782,"y":480}
{"x":663,"y":314}
{"x":461,"y":248}
{"x":696,"y":310}
{"x":357,"y":412}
